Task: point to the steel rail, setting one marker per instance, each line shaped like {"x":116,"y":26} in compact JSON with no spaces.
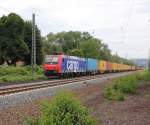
{"x":20,"y":88}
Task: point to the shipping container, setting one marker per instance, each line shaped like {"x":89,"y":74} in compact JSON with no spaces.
{"x":119,"y":67}
{"x":109,"y":66}
{"x":102,"y":66}
{"x":92,"y":65}
{"x":114,"y":65}
{"x":133,"y":68}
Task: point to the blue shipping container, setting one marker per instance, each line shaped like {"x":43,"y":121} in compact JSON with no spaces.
{"x":92,"y":64}
{"x":73,"y":64}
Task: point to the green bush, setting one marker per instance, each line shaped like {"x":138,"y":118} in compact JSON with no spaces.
{"x":125,"y":85}
{"x":39,"y":70}
{"x":11,"y":70}
{"x":20,"y":73}
{"x":145,"y":76}
{"x":21,"y":78}
{"x":65,"y":109}
{"x":111,"y":94}
{"x":19,"y":70}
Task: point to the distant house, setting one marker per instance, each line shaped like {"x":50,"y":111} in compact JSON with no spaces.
{"x":19,"y":63}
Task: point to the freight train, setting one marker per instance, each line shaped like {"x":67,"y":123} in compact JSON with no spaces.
{"x":66,"y":66}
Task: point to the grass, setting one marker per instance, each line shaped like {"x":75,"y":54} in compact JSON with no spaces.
{"x":20,"y":74}
{"x":125,"y":85}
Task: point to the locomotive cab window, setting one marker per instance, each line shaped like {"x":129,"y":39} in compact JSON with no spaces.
{"x":51,"y":59}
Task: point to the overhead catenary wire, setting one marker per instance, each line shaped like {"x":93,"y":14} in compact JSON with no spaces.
{"x":124,"y":27}
{"x":5,"y":9}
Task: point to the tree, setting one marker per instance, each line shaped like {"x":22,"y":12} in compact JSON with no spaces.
{"x":69,"y":40}
{"x":51,"y":47}
{"x":77,"y":52}
{"x":13,"y":48}
{"x":86,"y":36}
{"x":62,"y":42}
{"x":105,"y":53}
{"x":2,"y":39}
{"x":90,"y":48}
{"x":28,"y":41}
{"x":79,"y":44}
{"x":16,"y":40}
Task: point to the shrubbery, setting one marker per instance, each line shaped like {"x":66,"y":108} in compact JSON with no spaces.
{"x":65,"y":109}
{"x":11,"y":70}
{"x":125,"y":85}
{"x":19,"y":73}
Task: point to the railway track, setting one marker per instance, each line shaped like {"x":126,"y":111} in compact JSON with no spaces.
{"x":9,"y":89}
{"x":5,"y":90}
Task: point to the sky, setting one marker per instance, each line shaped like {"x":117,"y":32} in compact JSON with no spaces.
{"x":123,"y":24}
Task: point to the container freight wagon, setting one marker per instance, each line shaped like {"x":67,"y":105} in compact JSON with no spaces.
{"x":115,"y":67}
{"x":92,"y":66}
{"x":119,"y":67}
{"x":122,"y":67}
{"x":133,"y":68}
{"x":109,"y":67}
{"x":102,"y":66}
{"x":61,"y":65}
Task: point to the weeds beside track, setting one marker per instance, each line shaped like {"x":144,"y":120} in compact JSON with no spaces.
{"x":122,"y":86}
{"x":20,"y":74}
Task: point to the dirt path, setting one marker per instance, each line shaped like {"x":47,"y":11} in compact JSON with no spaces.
{"x":135,"y":110}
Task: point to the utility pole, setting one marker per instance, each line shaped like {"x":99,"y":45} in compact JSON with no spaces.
{"x":149,"y":60}
{"x":33,"y":53}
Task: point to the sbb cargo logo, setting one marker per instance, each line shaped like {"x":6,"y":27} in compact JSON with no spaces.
{"x":72,"y":65}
